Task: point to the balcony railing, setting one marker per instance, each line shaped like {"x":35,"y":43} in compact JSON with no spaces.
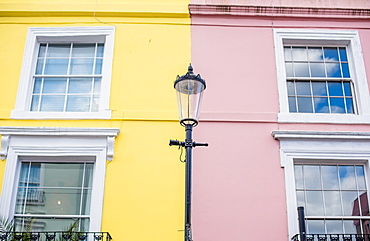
{"x":334,"y":237}
{"x":55,"y":236}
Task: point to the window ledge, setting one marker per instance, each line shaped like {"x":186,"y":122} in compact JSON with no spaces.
{"x":323,"y":118}
{"x":19,"y":114}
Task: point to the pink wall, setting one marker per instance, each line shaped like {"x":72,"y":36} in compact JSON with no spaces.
{"x":239,"y":190}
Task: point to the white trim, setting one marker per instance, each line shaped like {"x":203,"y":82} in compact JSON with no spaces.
{"x":333,"y":147}
{"x":41,"y":143}
{"x":358,"y":75}
{"x":80,"y":34}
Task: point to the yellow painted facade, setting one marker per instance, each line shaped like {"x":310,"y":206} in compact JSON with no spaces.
{"x":144,"y":187}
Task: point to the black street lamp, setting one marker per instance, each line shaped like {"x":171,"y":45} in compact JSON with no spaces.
{"x":189,"y":89}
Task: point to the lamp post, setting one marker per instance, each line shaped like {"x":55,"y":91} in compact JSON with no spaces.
{"x":189,"y":89}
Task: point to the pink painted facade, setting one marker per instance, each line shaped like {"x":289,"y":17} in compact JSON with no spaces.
{"x":241,"y":180}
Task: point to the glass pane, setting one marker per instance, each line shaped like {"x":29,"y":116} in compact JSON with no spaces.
{"x":315,"y":226}
{"x":100,"y":50}
{"x":35,"y":103}
{"x":97,"y":85}
{"x":333,"y":70}
{"x":350,"y":202}
{"x":350,"y":226}
{"x":321,"y":105}
{"x":303,"y":88}
{"x":315,"y":206}
{"x":304,"y":105}
{"x":49,"y":224}
{"x":56,"y":67}
{"x":89,"y":168}
{"x":347,"y":177}
{"x":37,"y":86}
{"x":98,"y":66}
{"x":301,"y":70}
{"x":299,"y":53}
{"x":331,"y":54}
{"x":333,"y":202}
{"x":363,"y":204}
{"x":287,"y":54}
{"x":345,"y":70}
{"x":39,"y":66}
{"x":59,"y":50}
{"x":349,"y":105}
{"x":292,"y":104}
{"x":80,"y":85}
{"x":290,"y":86}
{"x":63,"y":174}
{"x":360,"y":177}
{"x":78,"y":103}
{"x":317,"y":69}
{"x":319,"y":89}
{"x":95,"y":103}
{"x":52,"y":103}
{"x":312,"y":176}
{"x":85,"y":202}
{"x":343,"y":54}
{"x":347,"y":89}
{"x":330,"y":177}
{"x":300,"y":198}
{"x":298,"y":176}
{"x":42,"y":50}
{"x":54,"y":85}
{"x":82,"y":66}
{"x":315,"y":54}
{"x":335,"y":89}
{"x":337,"y":105}
{"x":334,"y":226}
{"x":83,"y":50}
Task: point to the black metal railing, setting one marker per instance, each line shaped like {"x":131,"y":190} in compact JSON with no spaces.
{"x":55,"y":236}
{"x":333,"y":237}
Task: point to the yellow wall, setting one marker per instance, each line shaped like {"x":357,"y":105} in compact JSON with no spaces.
{"x":144,"y":192}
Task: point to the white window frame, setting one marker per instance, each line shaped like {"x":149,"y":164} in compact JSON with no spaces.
{"x":305,"y":37}
{"x":315,"y":147}
{"x":49,"y":143}
{"x":63,"y":34}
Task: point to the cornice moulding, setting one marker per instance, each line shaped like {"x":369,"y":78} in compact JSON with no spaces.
{"x":339,"y":135}
{"x":237,"y":10}
{"x":58,"y":131}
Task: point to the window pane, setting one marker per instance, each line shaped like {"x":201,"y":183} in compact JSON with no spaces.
{"x":287,"y":54}
{"x":80,"y":85}
{"x":98,"y":66}
{"x":82,"y":66}
{"x":333,"y":70}
{"x":337,"y":105}
{"x":301,"y":70}
{"x":312,"y":177}
{"x":63,"y":174}
{"x":360,"y":177}
{"x":39,"y":66}
{"x":347,"y":177}
{"x":315,"y":54}
{"x":335,"y":89}
{"x":54,"y":85}
{"x":317,"y":69}
{"x":331,"y":54}
{"x":59,"y":50}
{"x":35,"y":103}
{"x":345,"y":70}
{"x":95,"y":103}
{"x":97,"y":84}
{"x":298,"y":176}
{"x":37,"y":86}
{"x":304,"y":105}
{"x":83,"y":50}
{"x":334,"y":226}
{"x":303,"y":88}
{"x":330,"y":177}
{"x":350,"y":202}
{"x":300,"y":198}
{"x":347,"y":89}
{"x":321,"y":105}
{"x":299,"y":53}
{"x":333,"y":204}
{"x":314,"y":206}
{"x":316,"y":226}
{"x":292,"y":104}
{"x":42,"y":50}
{"x":100,"y":50}
{"x":319,"y":88}
{"x":343,"y":54}
{"x":79,"y":103}
{"x":52,"y":103}
{"x":349,"y":226}
{"x":49,"y":224}
{"x":56,"y":67}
